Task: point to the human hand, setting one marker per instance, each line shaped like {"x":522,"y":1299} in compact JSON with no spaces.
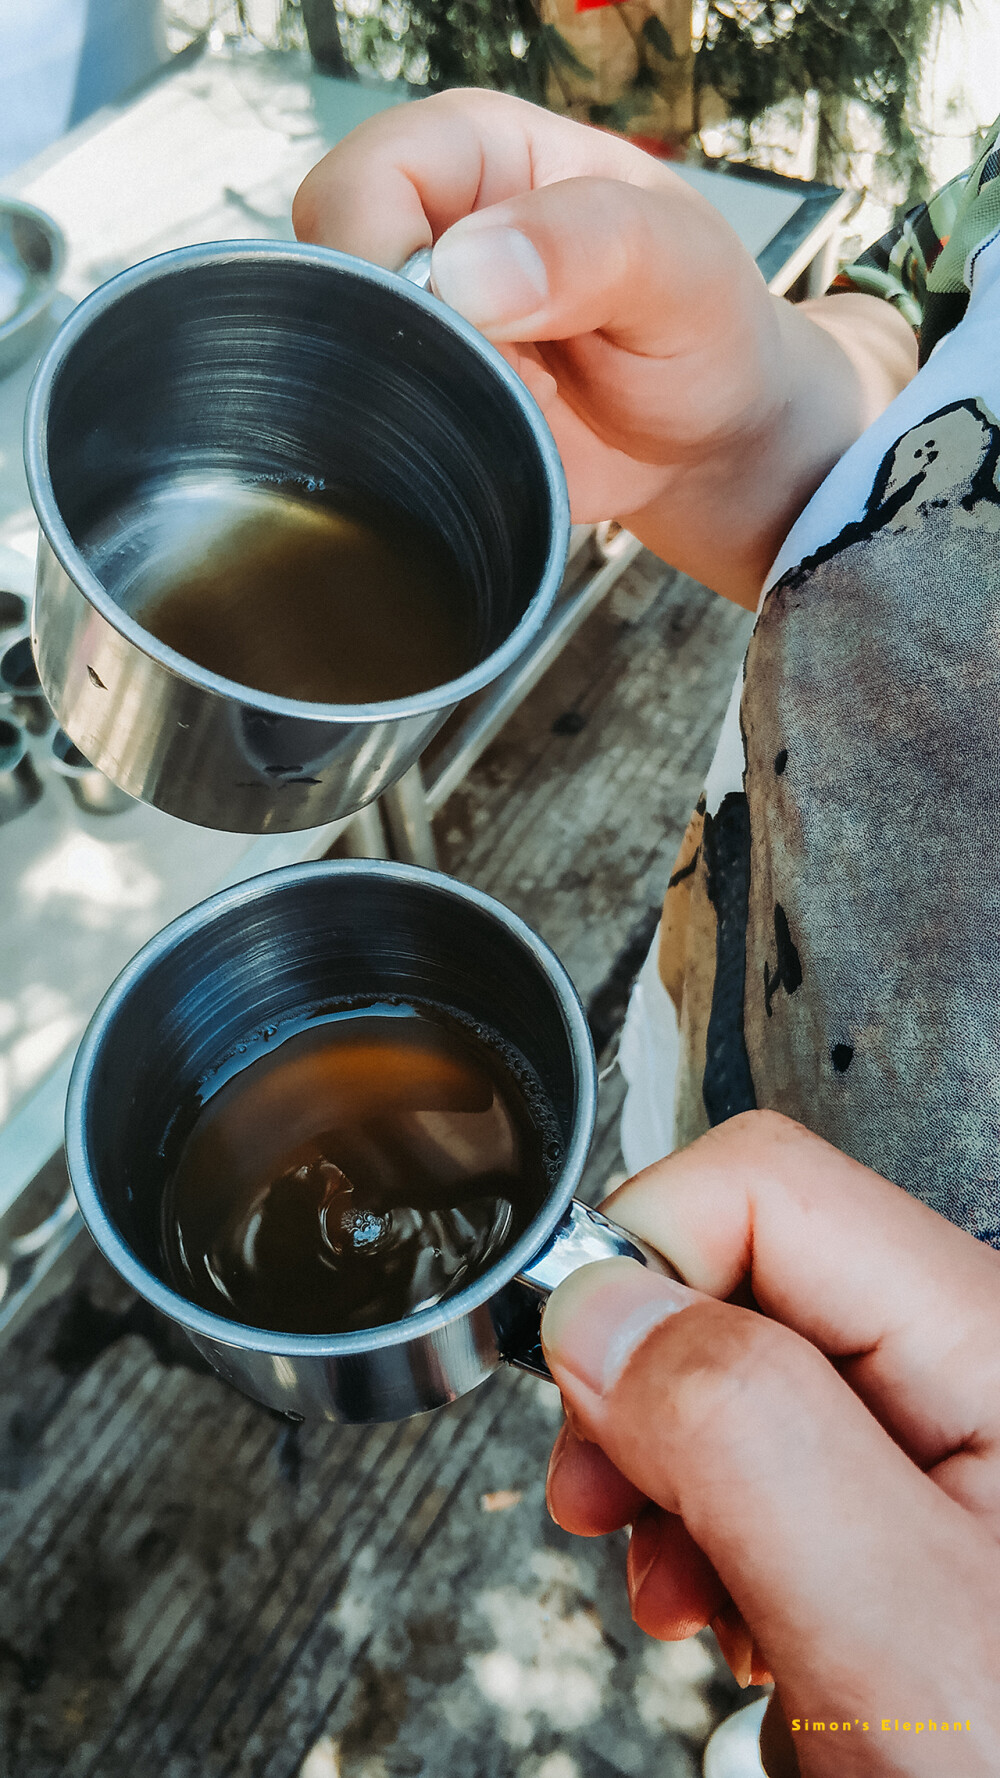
{"x":820,"y":1474}
{"x":671,"y":379}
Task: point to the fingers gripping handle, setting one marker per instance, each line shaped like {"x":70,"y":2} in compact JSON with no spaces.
{"x":583,"y":1235}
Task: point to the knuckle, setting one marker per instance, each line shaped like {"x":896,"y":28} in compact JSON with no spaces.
{"x":765,"y":1139}
{"x":767,"y":1127}
{"x":736,"y":1372}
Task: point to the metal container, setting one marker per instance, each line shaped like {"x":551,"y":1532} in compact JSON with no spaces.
{"x":275,"y":948}
{"x":32,"y":251}
{"x":290,"y":367}
{"x":90,"y":789}
{"x":20,"y":785}
{"x":13,"y":611}
{"x":20,"y":685}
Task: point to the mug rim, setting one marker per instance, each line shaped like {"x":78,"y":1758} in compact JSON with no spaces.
{"x":176,"y":262}
{"x":243,"y":1335}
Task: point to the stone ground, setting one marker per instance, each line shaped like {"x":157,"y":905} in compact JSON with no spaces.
{"x":190,"y":1588}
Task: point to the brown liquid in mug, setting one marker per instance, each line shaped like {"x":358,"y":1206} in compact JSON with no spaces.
{"x":302,"y":600}
{"x":359,"y":1171}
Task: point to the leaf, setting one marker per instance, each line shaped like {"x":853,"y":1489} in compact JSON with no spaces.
{"x":620,"y":114}
{"x":644,"y":81}
{"x":501,"y":1500}
{"x":659,"y":38}
{"x":562,"y":54}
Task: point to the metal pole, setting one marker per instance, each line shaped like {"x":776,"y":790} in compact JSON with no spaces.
{"x":364,"y":836}
{"x":408,"y":820}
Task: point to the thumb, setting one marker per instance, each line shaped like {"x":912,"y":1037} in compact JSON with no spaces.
{"x":821,"y":1529}
{"x":592,"y":254}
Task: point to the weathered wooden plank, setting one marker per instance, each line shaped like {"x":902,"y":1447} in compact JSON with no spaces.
{"x":576,"y":824}
{"x":190,"y":1589}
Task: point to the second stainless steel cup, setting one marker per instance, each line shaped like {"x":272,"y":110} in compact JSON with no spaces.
{"x":300,"y":369}
{"x":210,"y":987}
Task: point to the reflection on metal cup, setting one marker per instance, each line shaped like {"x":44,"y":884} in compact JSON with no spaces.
{"x":290,"y":368}
{"x":245,"y":962}
{"x":13,"y":611}
{"x":20,"y":785}
{"x":90,"y":789}
{"x":20,"y":684}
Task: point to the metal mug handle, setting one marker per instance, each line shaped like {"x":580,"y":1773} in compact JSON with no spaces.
{"x":417,"y":269}
{"x":583,"y":1235}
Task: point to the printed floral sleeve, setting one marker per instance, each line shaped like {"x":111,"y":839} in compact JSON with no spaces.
{"x":921,"y":264}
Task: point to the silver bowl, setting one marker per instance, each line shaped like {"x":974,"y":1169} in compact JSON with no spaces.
{"x":32,"y":251}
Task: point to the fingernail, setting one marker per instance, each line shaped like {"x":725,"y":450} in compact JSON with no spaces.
{"x":575,"y":1421}
{"x":554,"y":1461}
{"x":643,"y":1549}
{"x":492,"y":276}
{"x":759,"y":1674}
{"x":597,"y":1318}
{"x":736,"y":1643}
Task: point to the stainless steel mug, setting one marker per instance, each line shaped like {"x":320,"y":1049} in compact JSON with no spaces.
{"x":21,"y":687}
{"x":13,"y":611}
{"x":20,"y":785}
{"x":291,"y":367}
{"x":270,"y":950}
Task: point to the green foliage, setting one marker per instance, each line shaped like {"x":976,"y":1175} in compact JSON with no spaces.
{"x":658,"y":70}
{"x":442,"y":43}
{"x":560,"y":55}
{"x":655,"y":33}
{"x":759,"y":53}
{"x":755,"y":54}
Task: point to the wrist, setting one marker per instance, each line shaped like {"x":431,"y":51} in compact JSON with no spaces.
{"x":828,"y":368}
